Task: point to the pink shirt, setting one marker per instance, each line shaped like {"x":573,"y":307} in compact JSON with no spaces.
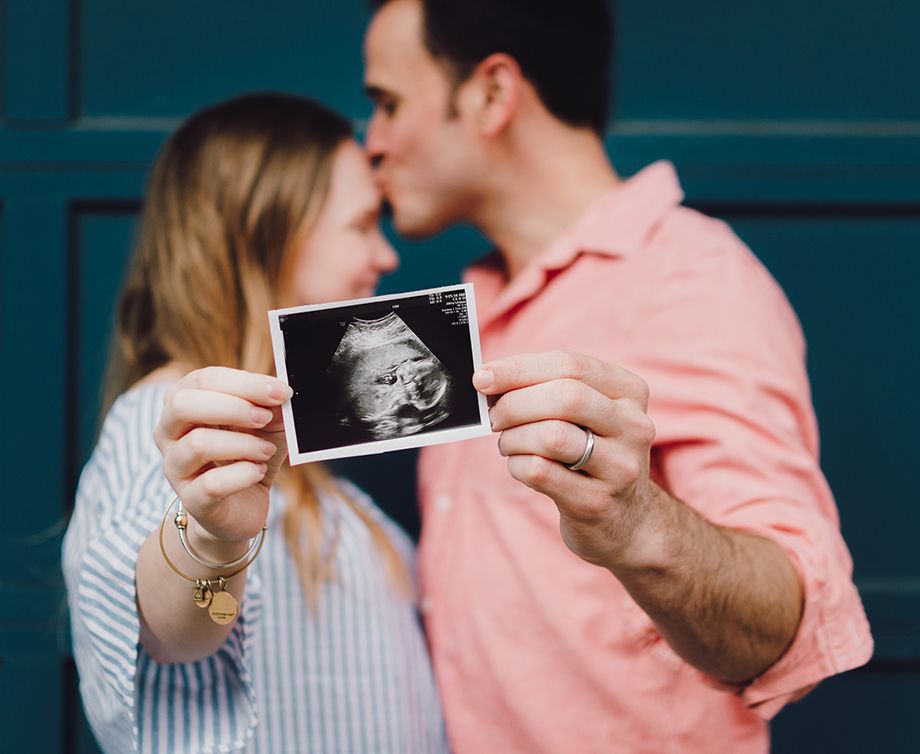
{"x":537,"y":651}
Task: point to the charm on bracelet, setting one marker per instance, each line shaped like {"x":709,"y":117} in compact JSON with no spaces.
{"x":221,"y":605}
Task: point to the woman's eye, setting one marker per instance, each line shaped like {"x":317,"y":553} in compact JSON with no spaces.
{"x":387,"y":379}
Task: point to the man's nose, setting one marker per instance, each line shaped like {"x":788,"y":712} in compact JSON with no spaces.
{"x":373,"y":141}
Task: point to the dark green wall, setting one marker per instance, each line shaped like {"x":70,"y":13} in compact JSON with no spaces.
{"x":797,"y":121}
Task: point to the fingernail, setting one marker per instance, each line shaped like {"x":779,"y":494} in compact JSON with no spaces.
{"x":278,"y":390}
{"x":483,"y":378}
{"x":261,"y":416}
{"x":268,"y":448}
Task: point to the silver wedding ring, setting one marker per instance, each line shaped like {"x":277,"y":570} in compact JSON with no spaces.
{"x":589,"y":449}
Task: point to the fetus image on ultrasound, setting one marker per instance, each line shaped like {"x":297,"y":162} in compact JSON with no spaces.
{"x":389,"y":382}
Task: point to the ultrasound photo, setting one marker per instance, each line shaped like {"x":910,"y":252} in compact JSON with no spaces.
{"x":379,"y":374}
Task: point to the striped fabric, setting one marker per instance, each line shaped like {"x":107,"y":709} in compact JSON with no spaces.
{"x":352,"y":675}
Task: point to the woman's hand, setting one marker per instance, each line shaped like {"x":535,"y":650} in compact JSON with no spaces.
{"x":222,"y":439}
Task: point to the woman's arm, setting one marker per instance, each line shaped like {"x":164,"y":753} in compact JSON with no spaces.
{"x":222,"y":441}
{"x":173,"y":627}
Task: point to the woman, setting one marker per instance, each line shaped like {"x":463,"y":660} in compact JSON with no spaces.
{"x":314,"y":645}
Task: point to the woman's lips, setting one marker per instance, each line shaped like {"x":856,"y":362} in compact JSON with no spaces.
{"x":385,"y":186}
{"x":366,"y":290}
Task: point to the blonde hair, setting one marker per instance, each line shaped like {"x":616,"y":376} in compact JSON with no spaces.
{"x":230,"y":195}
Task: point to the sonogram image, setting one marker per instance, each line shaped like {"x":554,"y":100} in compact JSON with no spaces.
{"x":389,"y":382}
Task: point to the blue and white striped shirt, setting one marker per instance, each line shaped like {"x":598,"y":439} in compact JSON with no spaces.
{"x":351,"y":675}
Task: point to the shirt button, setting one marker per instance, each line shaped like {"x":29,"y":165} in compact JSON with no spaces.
{"x":443,"y":503}
{"x":424,"y":605}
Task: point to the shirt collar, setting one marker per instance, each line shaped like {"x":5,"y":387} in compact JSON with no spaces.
{"x":615,"y":225}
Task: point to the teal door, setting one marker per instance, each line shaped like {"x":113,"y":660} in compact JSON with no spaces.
{"x":798,"y":122}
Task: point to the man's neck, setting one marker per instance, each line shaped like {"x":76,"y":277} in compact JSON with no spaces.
{"x":541,"y":192}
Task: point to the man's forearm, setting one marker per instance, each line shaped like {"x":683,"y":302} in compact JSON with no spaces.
{"x":726,"y":601}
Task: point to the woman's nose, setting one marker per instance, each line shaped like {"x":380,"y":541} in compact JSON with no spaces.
{"x":385,"y":257}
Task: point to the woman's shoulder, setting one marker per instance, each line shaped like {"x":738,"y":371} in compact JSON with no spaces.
{"x":138,"y":408}
{"x":126,"y":436}
{"x":125,"y":456}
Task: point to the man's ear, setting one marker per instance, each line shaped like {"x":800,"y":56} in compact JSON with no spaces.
{"x":495,"y":90}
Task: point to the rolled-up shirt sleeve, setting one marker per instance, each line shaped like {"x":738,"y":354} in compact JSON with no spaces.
{"x":132,"y":702}
{"x":737,"y":440}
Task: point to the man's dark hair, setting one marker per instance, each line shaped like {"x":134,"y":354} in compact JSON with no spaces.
{"x":562,"y":46}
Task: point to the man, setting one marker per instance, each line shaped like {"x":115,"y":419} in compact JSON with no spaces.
{"x":711,"y":584}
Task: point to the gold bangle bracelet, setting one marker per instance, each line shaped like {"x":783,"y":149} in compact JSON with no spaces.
{"x":221,"y":605}
{"x":181,"y":521}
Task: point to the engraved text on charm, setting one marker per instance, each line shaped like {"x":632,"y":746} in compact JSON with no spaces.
{"x":223,"y":608}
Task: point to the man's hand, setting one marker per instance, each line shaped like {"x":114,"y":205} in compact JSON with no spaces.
{"x":542,"y":402}
{"x":728,"y":602}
